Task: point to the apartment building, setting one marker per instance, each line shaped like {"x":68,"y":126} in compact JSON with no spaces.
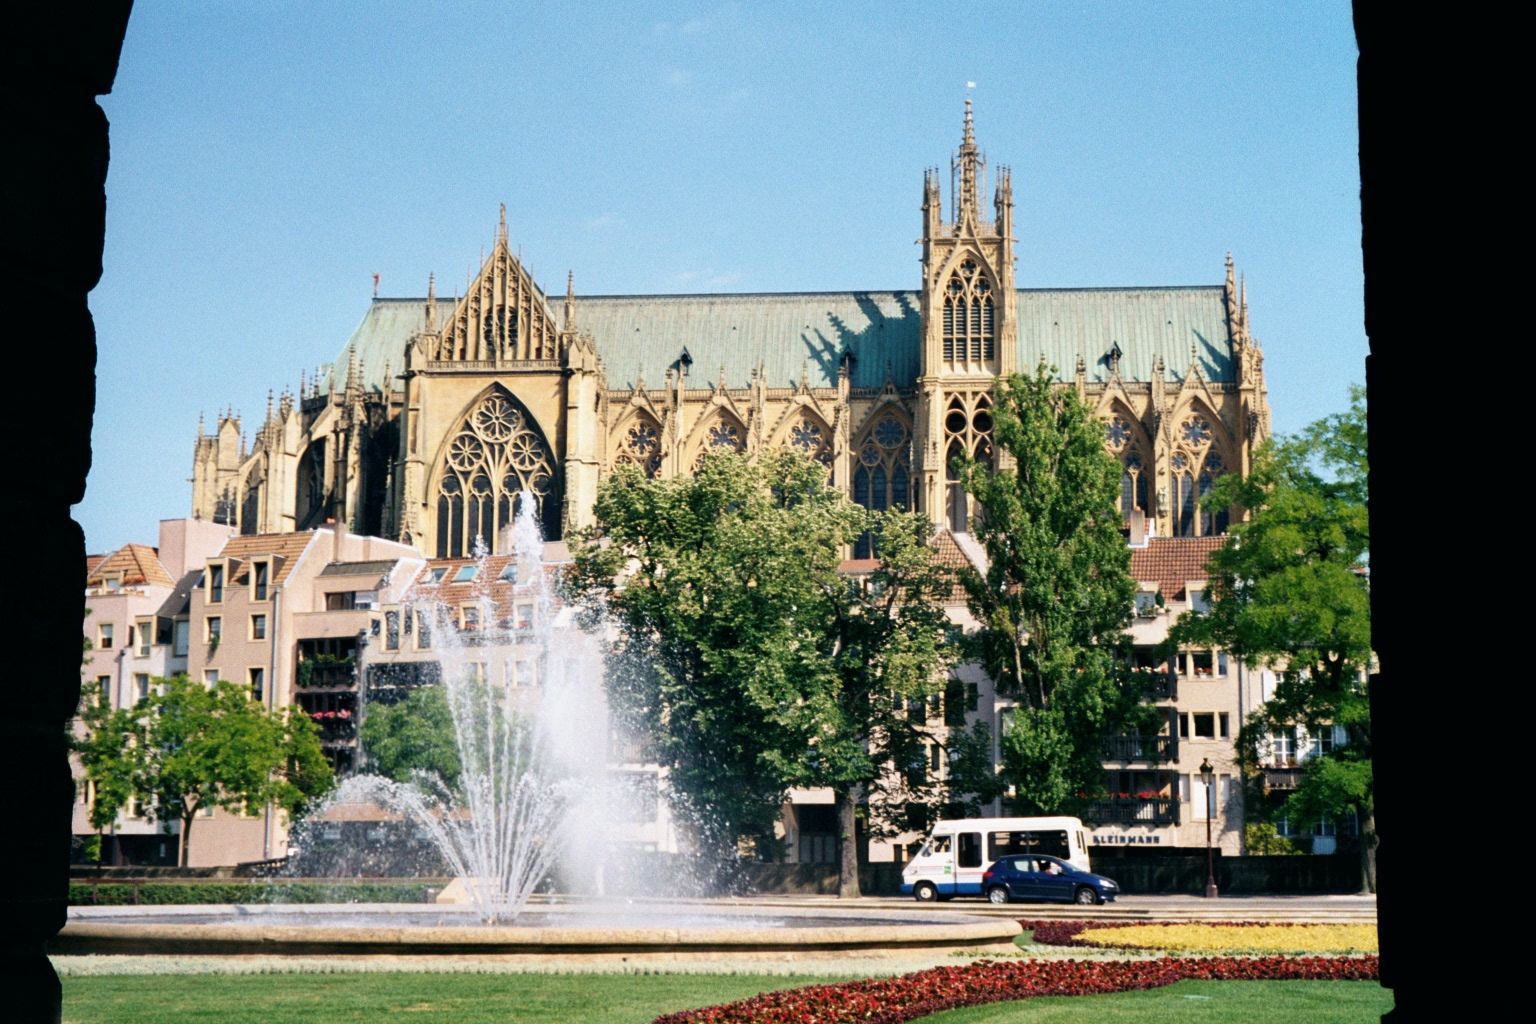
{"x":136,"y":619}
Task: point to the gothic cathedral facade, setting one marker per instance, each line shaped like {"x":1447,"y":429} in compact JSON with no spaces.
{"x":439,"y":417}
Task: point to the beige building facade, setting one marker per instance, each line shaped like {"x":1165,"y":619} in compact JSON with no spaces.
{"x":440,"y":412}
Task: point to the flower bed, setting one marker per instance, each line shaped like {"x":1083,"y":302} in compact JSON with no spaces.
{"x":892,"y":1000}
{"x":1263,"y":936}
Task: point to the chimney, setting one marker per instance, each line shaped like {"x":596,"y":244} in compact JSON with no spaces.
{"x":1138,"y":528}
{"x":338,"y":532}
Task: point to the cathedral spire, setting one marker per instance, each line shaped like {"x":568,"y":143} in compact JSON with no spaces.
{"x":570,"y":300}
{"x":501,"y":229}
{"x":965,"y":170}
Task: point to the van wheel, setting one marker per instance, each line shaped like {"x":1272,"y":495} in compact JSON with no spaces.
{"x":1086,"y":896}
{"x":924,"y":892}
{"x":997,"y":894}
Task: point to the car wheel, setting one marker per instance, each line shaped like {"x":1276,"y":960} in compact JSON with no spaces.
{"x":924,"y":892}
{"x":997,"y":894}
{"x":1086,"y":896}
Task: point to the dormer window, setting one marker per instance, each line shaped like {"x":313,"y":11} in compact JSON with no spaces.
{"x":259,"y":577}
{"x":465,"y":574}
{"x":215,"y":584}
{"x":1199,"y":602}
{"x":436,"y":575}
{"x":1146,"y":603}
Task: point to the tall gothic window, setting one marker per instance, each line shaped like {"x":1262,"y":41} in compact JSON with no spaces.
{"x":967,"y":432}
{"x":882,"y":475}
{"x":968,"y":316}
{"x":812,"y":437}
{"x":1212,"y":521}
{"x":1195,"y":467}
{"x":1133,"y":485}
{"x":497,"y":455}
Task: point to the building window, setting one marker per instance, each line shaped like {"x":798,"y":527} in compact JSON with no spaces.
{"x":1224,"y":722}
{"x":213,"y":628}
{"x":391,"y":631}
{"x":498,"y":454}
{"x":342,"y":601}
{"x":104,"y":684}
{"x":882,"y":478}
{"x":1198,"y":602}
{"x":215,"y":584}
{"x":140,"y":685}
{"x":1203,"y":664}
{"x":469,"y":616}
{"x":104,"y":636}
{"x":1183,"y":725}
{"x":641,"y":447}
{"x":258,"y":627}
{"x":423,"y":631}
{"x":1205,"y":726}
{"x":465,"y":574}
{"x":210,"y":676}
{"x":525,"y":615}
{"x":259,"y":580}
{"x":182,"y":638}
{"x":509,"y":572}
{"x":436,"y":575}
{"x":524,"y":673}
{"x":146,"y":634}
{"x":1221,"y":664}
{"x":258,"y":678}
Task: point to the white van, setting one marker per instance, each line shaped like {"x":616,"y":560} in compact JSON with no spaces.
{"x":956,"y":854}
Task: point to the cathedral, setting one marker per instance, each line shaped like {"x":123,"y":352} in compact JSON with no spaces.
{"x":440,"y":414}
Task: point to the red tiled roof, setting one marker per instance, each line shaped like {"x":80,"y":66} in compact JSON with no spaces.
{"x":139,"y":563}
{"x":287,"y":546}
{"x":1171,"y":562}
{"x":486,"y":584}
{"x":91,"y":562}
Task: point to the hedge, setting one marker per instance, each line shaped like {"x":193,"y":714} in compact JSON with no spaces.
{"x":168,"y":893}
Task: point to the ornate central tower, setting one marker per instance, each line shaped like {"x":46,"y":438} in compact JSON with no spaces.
{"x":970,"y":333}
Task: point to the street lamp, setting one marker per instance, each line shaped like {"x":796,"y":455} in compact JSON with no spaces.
{"x":1206,"y":776}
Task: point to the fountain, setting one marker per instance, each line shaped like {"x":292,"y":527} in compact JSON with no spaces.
{"x":533,"y":790}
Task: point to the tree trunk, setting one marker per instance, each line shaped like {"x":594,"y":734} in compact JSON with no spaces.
{"x":183,"y":846}
{"x":847,"y":825}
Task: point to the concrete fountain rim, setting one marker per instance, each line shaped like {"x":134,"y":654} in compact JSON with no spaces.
{"x":117,"y":930}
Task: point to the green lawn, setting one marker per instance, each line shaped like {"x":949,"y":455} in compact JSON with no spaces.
{"x":1194,"y":1002}
{"x":636,"y":999}
{"x":416,"y":998}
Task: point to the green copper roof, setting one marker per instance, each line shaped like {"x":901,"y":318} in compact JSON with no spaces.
{"x":797,"y":334}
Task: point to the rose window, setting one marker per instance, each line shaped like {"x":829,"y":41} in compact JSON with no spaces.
{"x":496,"y":456}
{"x":890,"y":433}
{"x":723,"y":435}
{"x":642,"y":447}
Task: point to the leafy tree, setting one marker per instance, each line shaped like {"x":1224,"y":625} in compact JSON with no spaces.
{"x":105,"y":751}
{"x":415,"y":735}
{"x":1289,"y":589}
{"x":188,"y":747}
{"x":750,"y":662}
{"x":1057,"y":592}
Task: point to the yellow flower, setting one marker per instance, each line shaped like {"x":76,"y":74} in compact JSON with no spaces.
{"x":1300,"y":938}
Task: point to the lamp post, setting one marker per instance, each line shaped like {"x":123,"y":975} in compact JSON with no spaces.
{"x":1206,"y":776}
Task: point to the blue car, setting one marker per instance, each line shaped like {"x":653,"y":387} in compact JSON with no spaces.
{"x":1038,"y":877}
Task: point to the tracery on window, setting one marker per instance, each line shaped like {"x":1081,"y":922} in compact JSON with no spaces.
{"x":1192,"y":478}
{"x":1117,"y":433}
{"x":967,"y":432}
{"x":813,"y":439}
{"x":1196,"y":431}
{"x":497,"y":455}
{"x":726,"y":435}
{"x":641,"y":447}
{"x":882,"y":474}
{"x":1133,"y":484}
{"x":968,"y":316}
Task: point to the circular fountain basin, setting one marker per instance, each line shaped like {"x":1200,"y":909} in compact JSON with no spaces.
{"x":690,"y":930}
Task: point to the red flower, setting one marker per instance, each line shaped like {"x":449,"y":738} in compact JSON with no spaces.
{"x":894,"y":1000}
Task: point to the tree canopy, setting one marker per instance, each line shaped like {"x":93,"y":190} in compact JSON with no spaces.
{"x":1056,"y":594}
{"x":414,"y":735}
{"x":749,"y":661}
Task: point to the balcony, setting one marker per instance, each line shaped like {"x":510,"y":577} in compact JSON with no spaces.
{"x":1154,"y":811}
{"x":1160,"y":685}
{"x":326,"y":675}
{"x":1282,"y":780}
{"x":1156,"y":749}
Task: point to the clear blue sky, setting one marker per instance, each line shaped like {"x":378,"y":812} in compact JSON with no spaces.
{"x":268,"y":158}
